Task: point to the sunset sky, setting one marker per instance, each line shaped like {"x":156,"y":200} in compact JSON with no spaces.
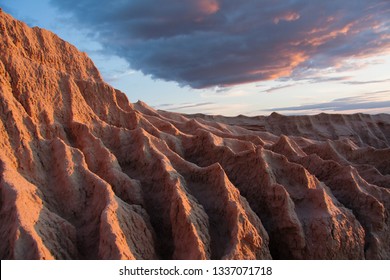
{"x":231,"y":57}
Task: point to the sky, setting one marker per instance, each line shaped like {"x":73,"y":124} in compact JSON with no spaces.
{"x":231,"y":57}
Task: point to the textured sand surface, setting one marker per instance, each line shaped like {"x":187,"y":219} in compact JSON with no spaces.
{"x":84,"y":174}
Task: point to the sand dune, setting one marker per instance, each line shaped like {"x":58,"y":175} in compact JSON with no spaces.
{"x":84,"y":174}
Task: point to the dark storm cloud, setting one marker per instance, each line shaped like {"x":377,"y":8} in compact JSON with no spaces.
{"x":204,"y":43}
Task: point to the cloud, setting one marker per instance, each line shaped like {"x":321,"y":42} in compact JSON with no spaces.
{"x":206,"y":43}
{"x":328,"y":79}
{"x":211,"y":108}
{"x":226,"y":92}
{"x":173,"y":107}
{"x":164,"y":105}
{"x":119,"y":75}
{"x":371,"y":100}
{"x":315,"y":80}
{"x":272,"y":89}
{"x":288,"y":16}
{"x":366,"y":82}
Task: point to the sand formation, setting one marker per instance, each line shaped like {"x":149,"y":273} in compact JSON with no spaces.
{"x":84,"y":174}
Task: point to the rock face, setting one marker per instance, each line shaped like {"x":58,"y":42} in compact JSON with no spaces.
{"x":84,"y":174}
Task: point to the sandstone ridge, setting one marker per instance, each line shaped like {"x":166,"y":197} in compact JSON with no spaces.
{"x":84,"y":174}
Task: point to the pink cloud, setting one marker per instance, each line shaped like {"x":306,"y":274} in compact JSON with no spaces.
{"x":208,"y":7}
{"x":288,"y":16}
